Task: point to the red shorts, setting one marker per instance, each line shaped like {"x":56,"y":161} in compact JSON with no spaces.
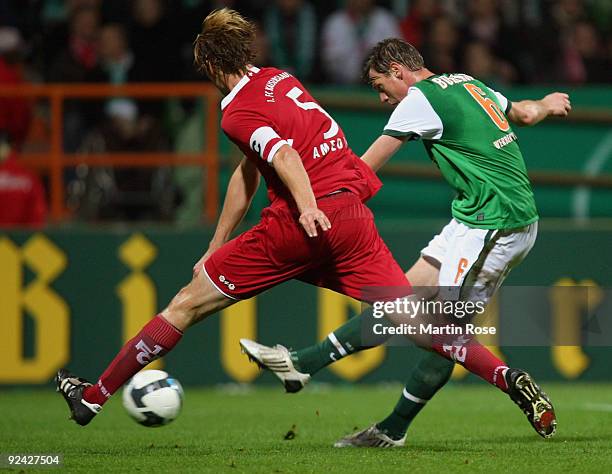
{"x":350,"y":258}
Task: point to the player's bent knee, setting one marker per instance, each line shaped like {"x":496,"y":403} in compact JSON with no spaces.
{"x":195,"y":302}
{"x":179,"y":312}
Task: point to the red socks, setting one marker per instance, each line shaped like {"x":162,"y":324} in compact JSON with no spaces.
{"x":154,"y":340}
{"x":472,"y":355}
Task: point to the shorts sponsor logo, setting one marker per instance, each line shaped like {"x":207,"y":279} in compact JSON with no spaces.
{"x":227,"y":283}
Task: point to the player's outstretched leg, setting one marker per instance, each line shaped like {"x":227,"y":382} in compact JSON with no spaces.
{"x":295,"y":368}
{"x":519,"y":385}
{"x":154,"y":340}
{"x":159,"y":336}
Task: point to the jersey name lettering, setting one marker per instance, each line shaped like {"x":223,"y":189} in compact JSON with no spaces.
{"x":325,"y":147}
{"x":451,"y":80}
{"x":271,"y":84}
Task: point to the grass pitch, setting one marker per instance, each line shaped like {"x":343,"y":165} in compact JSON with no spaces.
{"x":466,"y":428}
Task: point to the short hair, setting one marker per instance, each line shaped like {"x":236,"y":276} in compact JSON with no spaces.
{"x":226,"y":43}
{"x":392,"y":50}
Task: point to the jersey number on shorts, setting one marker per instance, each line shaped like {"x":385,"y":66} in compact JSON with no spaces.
{"x":294,"y":95}
{"x":489,"y":106}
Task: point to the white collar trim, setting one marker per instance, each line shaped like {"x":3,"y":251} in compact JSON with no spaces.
{"x":243,"y":82}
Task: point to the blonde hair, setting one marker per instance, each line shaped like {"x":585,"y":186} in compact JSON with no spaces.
{"x":226,"y":43}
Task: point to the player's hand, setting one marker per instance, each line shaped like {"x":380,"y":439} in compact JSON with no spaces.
{"x":558,"y":104}
{"x":312,"y":216}
{"x":212,"y":248}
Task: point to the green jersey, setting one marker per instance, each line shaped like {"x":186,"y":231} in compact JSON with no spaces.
{"x":466,"y":133}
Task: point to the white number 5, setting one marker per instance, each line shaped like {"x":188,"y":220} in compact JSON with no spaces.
{"x":295,"y":93}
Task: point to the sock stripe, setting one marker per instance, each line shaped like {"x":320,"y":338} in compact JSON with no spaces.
{"x":412,"y":398}
{"x":334,"y":340}
{"x":502,"y":369}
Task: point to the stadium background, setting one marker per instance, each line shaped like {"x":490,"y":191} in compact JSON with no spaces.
{"x":134,"y":174}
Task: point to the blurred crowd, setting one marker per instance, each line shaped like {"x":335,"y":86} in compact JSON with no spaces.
{"x":115,"y":41}
{"x":511,"y":41}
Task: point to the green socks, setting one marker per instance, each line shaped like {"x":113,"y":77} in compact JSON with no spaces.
{"x":335,"y":346}
{"x":338,"y":344}
{"x":429,"y":376}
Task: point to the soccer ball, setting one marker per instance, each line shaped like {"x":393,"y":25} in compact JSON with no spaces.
{"x":153,"y":398}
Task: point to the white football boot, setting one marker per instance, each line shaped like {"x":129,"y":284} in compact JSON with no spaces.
{"x":278,"y":360}
{"x":371,"y":437}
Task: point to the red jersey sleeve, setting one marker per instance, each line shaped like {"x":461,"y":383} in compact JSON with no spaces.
{"x":253,"y":133}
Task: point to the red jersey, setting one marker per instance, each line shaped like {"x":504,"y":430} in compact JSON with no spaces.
{"x":270,"y":108}
{"x":22,"y":198}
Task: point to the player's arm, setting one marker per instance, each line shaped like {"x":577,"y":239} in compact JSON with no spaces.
{"x":531,"y":112}
{"x":240,"y":191}
{"x":290,"y":169}
{"x":381,"y":150}
{"x":254,"y":129}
